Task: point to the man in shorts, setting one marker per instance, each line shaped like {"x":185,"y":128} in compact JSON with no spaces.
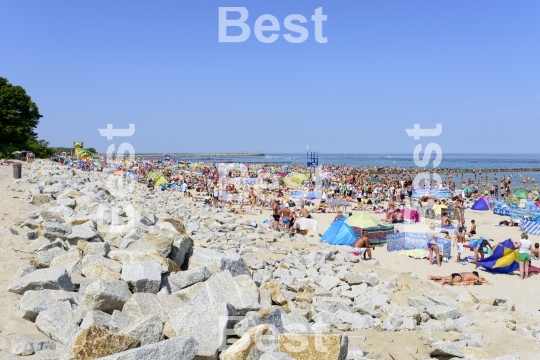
{"x":276,"y":214}
{"x":458,"y":242}
{"x":432,"y":246}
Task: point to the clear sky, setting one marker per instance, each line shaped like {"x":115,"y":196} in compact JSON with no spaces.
{"x":473,"y":66}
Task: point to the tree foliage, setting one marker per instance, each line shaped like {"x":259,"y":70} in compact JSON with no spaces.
{"x":19,"y":117}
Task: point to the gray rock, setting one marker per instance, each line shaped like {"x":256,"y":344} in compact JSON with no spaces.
{"x":253,"y":262}
{"x":265,"y":298}
{"x":420,"y":302}
{"x":44,"y":258}
{"x":33,"y":302}
{"x":96,"y":317}
{"x":408,"y":324}
{"x":85,"y":282}
{"x":181,"y":280}
{"x":268,"y":316}
{"x":32,"y":346}
{"x":141,"y":305}
{"x":329,"y":282}
{"x":159,"y":242}
{"x":85,"y":231}
{"x":248,"y":284}
{"x":181,"y":247}
{"x":69,"y":260}
{"x":275,"y":355}
{"x":206,"y":325}
{"x":148,"y":330}
{"x":59,"y":323}
{"x":354,"y":352}
{"x":392,"y":323}
{"x":119,"y":320}
{"x":142,"y":276}
{"x":112,"y":265}
{"x":296,"y":324}
{"x":221,"y":287}
{"x":184,"y":347}
{"x":71,"y":203}
{"x":97,"y":248}
{"x":357,"y":321}
{"x":441,"y":312}
{"x":25,"y":270}
{"x":105,"y":295}
{"x":217,"y":262}
{"x":53,"y":229}
{"x":54,"y":278}
{"x":440,"y":299}
{"x":440,"y":349}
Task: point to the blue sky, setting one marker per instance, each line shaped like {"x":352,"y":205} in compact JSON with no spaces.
{"x":470,"y":65}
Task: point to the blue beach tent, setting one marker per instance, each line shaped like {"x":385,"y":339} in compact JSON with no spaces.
{"x":339,"y":233}
{"x":481,"y":204}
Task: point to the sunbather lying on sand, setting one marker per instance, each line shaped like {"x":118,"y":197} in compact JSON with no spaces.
{"x":464,"y":278}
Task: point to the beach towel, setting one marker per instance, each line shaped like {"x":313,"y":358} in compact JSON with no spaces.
{"x":534,"y":270}
{"x":306,"y":224}
{"x":415,"y":253}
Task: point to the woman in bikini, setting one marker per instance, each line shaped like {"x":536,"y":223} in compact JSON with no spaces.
{"x":456,"y":278}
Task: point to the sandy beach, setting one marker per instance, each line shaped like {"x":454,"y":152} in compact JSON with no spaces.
{"x":408,"y":275}
{"x":507,"y":286}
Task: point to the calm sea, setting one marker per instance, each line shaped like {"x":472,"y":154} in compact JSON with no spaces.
{"x":449,"y":161}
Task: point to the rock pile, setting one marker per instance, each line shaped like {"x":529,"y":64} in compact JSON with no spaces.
{"x":123,"y":273}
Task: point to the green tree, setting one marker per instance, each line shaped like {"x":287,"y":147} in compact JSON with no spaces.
{"x":19,"y":115}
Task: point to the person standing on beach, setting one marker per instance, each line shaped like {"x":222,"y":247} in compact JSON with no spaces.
{"x":276,"y":214}
{"x":432,"y":246}
{"x":524,"y":255}
{"x":458,"y":242}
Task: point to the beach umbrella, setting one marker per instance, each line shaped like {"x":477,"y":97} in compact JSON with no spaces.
{"x":98,"y":164}
{"x":153,"y":175}
{"x":362,"y":221}
{"x":536,"y":195}
{"x":520,"y":194}
{"x":375,"y":180}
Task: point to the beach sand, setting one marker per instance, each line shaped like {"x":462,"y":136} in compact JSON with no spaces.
{"x":16,"y":253}
{"x":508,"y":286}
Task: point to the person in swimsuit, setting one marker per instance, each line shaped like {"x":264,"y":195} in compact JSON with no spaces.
{"x":432,"y":246}
{"x":362,"y":247}
{"x":459,"y":277}
{"x":286,"y":216}
{"x":304,"y":212}
{"x":473,"y":228}
{"x":275,"y":214}
{"x":478,"y":246}
{"x":524,"y":255}
{"x":458,"y":242}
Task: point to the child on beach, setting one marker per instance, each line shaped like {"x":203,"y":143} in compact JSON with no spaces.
{"x":535,"y":252}
{"x":473,"y":229}
{"x":458,"y":242}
